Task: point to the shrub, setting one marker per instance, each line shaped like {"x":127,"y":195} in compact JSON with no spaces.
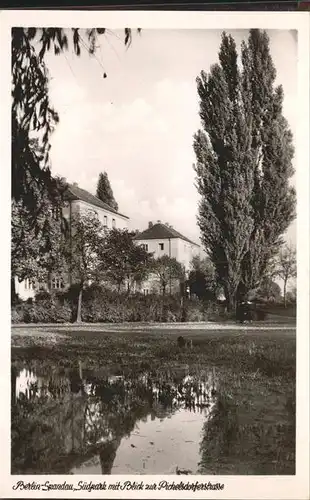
{"x":259,"y":315}
{"x":16,"y":315}
{"x":42,"y":295}
{"x":41,"y":312}
{"x":104,"y":305}
{"x":171,"y":317}
{"x":216,"y":311}
{"x":196,"y":312}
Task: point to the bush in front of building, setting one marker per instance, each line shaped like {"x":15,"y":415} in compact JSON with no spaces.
{"x":38,"y":313}
{"x":102,"y":305}
{"x":46,"y":308}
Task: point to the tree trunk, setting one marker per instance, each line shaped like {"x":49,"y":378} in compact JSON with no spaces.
{"x":284,"y":292}
{"x":183,"y":310}
{"x":13,"y":290}
{"x":107,"y":455}
{"x":13,"y":385}
{"x":49,"y":281}
{"x":79,"y":306}
{"x":241,"y":294}
{"x":80,"y":370}
{"x":231,"y":301}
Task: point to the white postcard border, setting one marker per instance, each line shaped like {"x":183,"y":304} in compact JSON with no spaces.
{"x":236,"y":487}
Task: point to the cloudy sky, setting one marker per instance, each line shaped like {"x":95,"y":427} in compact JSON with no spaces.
{"x":138,"y":123}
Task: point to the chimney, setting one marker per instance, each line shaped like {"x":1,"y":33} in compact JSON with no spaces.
{"x":75,"y":184}
{"x":159,"y":222}
{"x":150,"y":224}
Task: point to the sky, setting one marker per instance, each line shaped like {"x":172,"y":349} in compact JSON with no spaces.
{"x":138,"y":123}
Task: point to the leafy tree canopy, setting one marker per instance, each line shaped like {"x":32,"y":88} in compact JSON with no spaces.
{"x":122,"y":260}
{"x":286,"y":266}
{"x":202,"y":279}
{"x":86,"y":240}
{"x":268,"y":290}
{"x":166,"y":269}
{"x":38,"y":245}
{"x":33,"y":121}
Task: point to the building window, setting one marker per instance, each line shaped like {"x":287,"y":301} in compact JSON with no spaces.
{"x":57,"y":284}
{"x":145,"y":247}
{"x":105,"y":221}
{"x":113,"y":223}
{"x":161,"y":246}
{"x":29,"y":284}
{"x":145,"y":291}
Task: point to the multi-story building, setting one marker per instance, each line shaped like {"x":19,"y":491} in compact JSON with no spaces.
{"x":162,"y":239}
{"x":81,"y":201}
{"x":77,"y":201}
{"x":159,"y":239}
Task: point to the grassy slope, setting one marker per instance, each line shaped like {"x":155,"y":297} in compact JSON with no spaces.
{"x":253,"y":429}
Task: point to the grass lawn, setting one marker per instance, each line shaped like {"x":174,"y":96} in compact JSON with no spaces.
{"x":253,"y":426}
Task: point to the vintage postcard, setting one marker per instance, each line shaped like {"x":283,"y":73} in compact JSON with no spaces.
{"x":155,"y":218}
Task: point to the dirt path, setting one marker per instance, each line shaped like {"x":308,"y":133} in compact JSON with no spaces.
{"x":116,"y":327}
{"x":52,"y":333}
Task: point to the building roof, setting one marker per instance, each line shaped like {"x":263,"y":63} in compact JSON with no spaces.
{"x":161,"y":231}
{"x":76,"y":193}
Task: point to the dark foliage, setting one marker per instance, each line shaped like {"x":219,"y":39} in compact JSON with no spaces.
{"x":105,"y":192}
{"x":244,"y":164}
{"x":33,"y":116}
{"x":104,"y":305}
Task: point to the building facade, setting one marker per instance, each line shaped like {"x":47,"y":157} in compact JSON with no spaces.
{"x":80,"y":201}
{"x":77,"y":201}
{"x":162,"y":239}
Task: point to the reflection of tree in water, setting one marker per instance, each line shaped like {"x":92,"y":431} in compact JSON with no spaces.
{"x":64,"y":417}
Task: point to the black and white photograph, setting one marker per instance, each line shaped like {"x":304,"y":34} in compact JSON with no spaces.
{"x":154,"y":211}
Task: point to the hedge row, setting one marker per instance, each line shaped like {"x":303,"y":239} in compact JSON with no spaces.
{"x":104,"y":306}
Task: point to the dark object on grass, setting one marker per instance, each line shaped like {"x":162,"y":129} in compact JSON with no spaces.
{"x":183,"y":344}
{"x":244,"y":312}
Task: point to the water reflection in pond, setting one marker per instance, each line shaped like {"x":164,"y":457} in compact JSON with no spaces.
{"x":82,"y":421}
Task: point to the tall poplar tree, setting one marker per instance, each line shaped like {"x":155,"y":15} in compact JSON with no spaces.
{"x":244,"y":162}
{"x":105,"y":192}
{"x":273,"y":198}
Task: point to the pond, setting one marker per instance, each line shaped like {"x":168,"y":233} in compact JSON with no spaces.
{"x":97,"y":421}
